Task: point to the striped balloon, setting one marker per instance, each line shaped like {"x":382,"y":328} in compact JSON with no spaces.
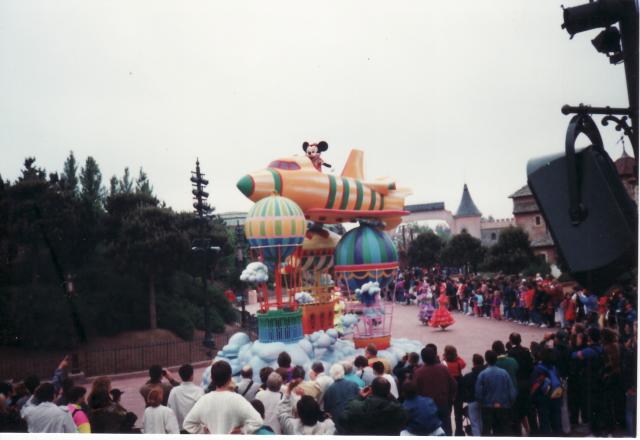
{"x":366,"y":254}
{"x":275,"y":226}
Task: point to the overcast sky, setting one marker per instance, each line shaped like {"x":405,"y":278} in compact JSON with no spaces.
{"x":437,"y":93}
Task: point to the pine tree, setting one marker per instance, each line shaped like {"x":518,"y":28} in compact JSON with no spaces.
{"x":142,"y":184}
{"x":70,"y":174}
{"x":126,"y":184}
{"x":113,"y":186}
{"x":91,"y":181}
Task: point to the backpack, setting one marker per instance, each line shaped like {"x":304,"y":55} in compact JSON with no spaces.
{"x":547,"y":384}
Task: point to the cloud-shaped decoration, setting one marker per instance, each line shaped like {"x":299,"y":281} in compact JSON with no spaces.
{"x":367,"y":293}
{"x":255,"y":273}
{"x":304,"y":298}
{"x":326,"y":280}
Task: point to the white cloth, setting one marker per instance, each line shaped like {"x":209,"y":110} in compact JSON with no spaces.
{"x":252,"y":390}
{"x":220,"y":412}
{"x":182,"y":398}
{"x":48,"y":417}
{"x":159,"y":420}
{"x":270,"y":400}
{"x":394,"y":385}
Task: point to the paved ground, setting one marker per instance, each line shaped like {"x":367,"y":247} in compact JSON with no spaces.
{"x":469,"y":335}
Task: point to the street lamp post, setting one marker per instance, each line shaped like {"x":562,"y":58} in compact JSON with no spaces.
{"x":239,"y":264}
{"x":203,"y":246}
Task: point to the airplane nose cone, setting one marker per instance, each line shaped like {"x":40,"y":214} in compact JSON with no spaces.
{"x":245,"y":185}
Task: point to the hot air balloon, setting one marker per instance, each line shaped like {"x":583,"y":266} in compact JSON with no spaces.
{"x":366,"y":260}
{"x":275,"y":227}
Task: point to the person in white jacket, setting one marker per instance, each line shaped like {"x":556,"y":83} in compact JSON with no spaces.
{"x":157,"y":418}
{"x":270,"y":398}
{"x":308,"y":420}
{"x":222,"y":411}
{"x":46,"y":416}
{"x":183,"y":397}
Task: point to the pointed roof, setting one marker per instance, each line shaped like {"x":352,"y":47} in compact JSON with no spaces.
{"x":467,"y":208}
{"x":525,"y":191}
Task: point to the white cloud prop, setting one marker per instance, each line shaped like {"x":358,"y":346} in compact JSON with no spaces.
{"x":255,"y":273}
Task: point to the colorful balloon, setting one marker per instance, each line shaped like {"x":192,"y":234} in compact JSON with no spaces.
{"x":365,"y":254}
{"x":275,"y":226}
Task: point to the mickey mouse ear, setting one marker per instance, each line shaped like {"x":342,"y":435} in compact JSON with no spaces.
{"x":323,"y":146}
{"x":305,"y":145}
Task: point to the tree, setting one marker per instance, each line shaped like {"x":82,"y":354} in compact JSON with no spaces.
{"x":91,"y":180}
{"x":512,"y":253}
{"x":142,"y":184}
{"x":443,"y":232}
{"x":113,"y":186}
{"x":126,"y":184}
{"x":424,"y":250}
{"x":463,"y":250}
{"x":151,"y":244}
{"x":69,"y":174}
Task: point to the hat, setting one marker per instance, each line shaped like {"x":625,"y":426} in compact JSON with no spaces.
{"x":115,"y":393}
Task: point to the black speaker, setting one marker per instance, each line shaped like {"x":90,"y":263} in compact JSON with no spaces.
{"x":590,"y":215}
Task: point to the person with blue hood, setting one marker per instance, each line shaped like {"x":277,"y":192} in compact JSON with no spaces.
{"x":422,"y":412}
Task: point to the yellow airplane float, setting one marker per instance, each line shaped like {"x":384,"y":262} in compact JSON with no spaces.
{"x":327,"y":198}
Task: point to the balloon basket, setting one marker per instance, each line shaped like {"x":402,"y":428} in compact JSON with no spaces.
{"x":280,"y":325}
{"x":317,"y":316}
{"x":381,"y":342}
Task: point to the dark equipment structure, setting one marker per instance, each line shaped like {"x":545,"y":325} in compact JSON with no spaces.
{"x":591,"y":217}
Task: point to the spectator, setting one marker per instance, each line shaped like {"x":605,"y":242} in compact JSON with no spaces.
{"x":46,"y":416}
{"x":374,"y":412}
{"x":105,"y":415}
{"x":156,"y":373}
{"x":422,"y":413}
{"x":378,"y":370}
{"x":270,"y":399}
{"x":10,"y":420}
{"x":309,"y":420}
{"x":158,"y":419}
{"x":350,"y":375}
{"x":495,"y":393}
{"x":371,"y":353}
{"x":318,"y":375}
{"x":309,"y":388}
{"x":363,"y":370}
{"x":434,"y":380}
{"x":184,"y":396}
{"x":76,"y":408}
{"x":284,"y":366}
{"x":404,"y":369}
{"x":546,"y":392}
{"x":247,"y":388}
{"x":339,"y":393}
{"x":60,"y":375}
{"x":222,"y":410}
{"x":522,"y":414}
{"x":507,"y":363}
{"x":264,"y":429}
{"x":264,"y":375}
{"x":455,"y":364}
{"x":31,"y":383}
{"x":468,"y":393}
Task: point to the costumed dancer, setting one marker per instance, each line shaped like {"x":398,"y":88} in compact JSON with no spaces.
{"x":314,"y":151}
{"x":442,"y":318}
{"x":425,"y":299}
{"x":495,"y":306}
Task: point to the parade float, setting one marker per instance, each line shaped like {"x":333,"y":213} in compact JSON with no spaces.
{"x":316,"y":278}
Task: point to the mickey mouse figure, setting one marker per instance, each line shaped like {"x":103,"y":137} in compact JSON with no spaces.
{"x":313,"y":152}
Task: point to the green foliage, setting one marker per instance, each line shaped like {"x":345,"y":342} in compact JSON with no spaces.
{"x":512,"y":253}
{"x":142,"y":184}
{"x":116,"y":254}
{"x":424,"y":250}
{"x":92,"y":192}
{"x":463,"y":250}
{"x":538,"y":265}
{"x":70,"y":174}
